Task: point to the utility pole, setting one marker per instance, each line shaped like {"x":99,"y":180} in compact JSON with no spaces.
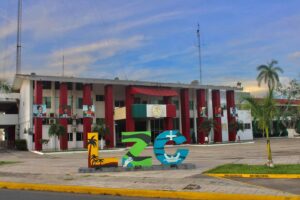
{"x":18,"y":57}
{"x":199,"y":51}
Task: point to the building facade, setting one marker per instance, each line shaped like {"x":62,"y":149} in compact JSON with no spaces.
{"x":123,"y":105}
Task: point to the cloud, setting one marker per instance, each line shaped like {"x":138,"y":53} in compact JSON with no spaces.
{"x":294,"y":55}
{"x":8,"y":29}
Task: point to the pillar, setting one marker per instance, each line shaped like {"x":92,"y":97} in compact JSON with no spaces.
{"x":231,"y":119}
{"x":185,"y":114}
{"x":168,"y":121}
{"x":216,"y":104}
{"x":128,"y":102}
{"x":63,"y":101}
{"x":201,"y":102}
{"x":87,"y":122}
{"x":38,"y":122}
{"x":109,"y":114}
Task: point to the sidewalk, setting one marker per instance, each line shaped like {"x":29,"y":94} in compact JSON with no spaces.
{"x":62,"y":169}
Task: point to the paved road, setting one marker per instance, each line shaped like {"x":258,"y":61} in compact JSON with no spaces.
{"x":287,"y":185}
{"x":37,"y":195}
{"x":63,"y":168}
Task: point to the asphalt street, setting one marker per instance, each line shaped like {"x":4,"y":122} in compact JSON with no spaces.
{"x":288,"y":185}
{"x":37,"y":195}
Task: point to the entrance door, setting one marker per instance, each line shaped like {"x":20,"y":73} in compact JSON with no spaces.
{"x":156,"y":128}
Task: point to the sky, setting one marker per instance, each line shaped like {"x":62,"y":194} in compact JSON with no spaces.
{"x":153,"y":40}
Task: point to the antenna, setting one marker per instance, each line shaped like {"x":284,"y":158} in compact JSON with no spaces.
{"x":199,"y":50}
{"x":18,"y":58}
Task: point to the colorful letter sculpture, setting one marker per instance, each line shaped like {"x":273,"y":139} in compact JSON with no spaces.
{"x":160,"y":143}
{"x":93,"y":159}
{"x":141,"y":140}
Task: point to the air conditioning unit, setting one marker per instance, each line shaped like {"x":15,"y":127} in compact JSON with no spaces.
{"x":52,"y":121}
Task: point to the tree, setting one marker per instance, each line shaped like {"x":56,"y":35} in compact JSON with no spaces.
{"x":289,"y":114}
{"x":264,"y":111}
{"x":56,"y":130}
{"x":269,"y":74}
{"x":5,"y":87}
{"x":206,"y":126}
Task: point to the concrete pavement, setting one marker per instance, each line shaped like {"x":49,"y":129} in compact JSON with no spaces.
{"x":62,"y":169}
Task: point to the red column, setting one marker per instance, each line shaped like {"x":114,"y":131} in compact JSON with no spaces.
{"x":38,"y":122}
{"x":109,"y":114}
{"x":201,"y":102}
{"x":168,"y":121}
{"x":230,"y":118}
{"x":216,"y":104}
{"x":87,"y":122}
{"x":63,"y":101}
{"x":185,"y":114}
{"x":129,"y":101}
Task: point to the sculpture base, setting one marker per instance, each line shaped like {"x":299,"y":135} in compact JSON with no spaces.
{"x":184,"y":166}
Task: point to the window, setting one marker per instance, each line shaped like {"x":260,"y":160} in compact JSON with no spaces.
{"x":137,"y":100}
{"x":70,"y":136}
{"x":247,"y":126}
{"x":79,"y":86}
{"x":99,"y":97}
{"x":70,"y":86}
{"x":191,"y":104}
{"x":176,"y":123}
{"x":176,"y":102}
{"x":47,"y":85}
{"x":79,"y":103}
{"x":47,"y":101}
{"x":119,"y":103}
{"x":79,"y":136}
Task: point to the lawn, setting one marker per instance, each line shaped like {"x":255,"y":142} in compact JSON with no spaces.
{"x":7,"y":162}
{"x":255,"y":169}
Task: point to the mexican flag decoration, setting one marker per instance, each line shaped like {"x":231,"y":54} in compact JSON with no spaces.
{"x":153,"y":110}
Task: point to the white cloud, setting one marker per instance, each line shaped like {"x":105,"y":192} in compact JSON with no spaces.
{"x":8,"y":29}
{"x":294,"y":55}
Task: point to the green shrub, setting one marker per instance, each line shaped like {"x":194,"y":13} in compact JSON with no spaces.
{"x":21,"y":145}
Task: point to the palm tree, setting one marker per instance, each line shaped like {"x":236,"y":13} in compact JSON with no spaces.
{"x":91,"y":143}
{"x":206,"y":126}
{"x":56,"y":130}
{"x":264,"y":111}
{"x":269,"y":74}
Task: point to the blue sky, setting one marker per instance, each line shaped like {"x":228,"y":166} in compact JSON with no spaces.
{"x":153,"y":40}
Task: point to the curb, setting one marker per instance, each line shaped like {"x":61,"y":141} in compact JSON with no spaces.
{"x":271,"y":176}
{"x":139,"y":192}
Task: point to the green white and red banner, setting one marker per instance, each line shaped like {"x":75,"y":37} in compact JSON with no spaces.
{"x":153,"y":110}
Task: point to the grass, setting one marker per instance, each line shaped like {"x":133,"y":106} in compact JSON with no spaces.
{"x":255,"y":169}
{"x":7,"y":162}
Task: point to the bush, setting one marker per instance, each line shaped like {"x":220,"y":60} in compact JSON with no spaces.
{"x":21,"y":145}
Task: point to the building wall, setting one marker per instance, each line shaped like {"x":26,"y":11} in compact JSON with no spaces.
{"x":25,"y":112}
{"x":26,"y":101}
{"x":245,"y":117}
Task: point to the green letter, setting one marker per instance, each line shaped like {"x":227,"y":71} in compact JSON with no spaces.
{"x":141,"y":140}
